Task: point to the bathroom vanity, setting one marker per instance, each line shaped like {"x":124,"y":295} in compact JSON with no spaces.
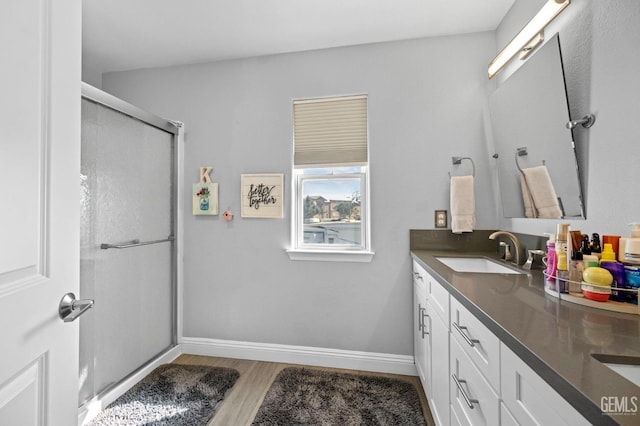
{"x":492,"y":348}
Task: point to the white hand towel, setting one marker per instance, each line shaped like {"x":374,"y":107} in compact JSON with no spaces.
{"x":463,"y":208}
{"x":529,"y":207}
{"x":545,"y":200}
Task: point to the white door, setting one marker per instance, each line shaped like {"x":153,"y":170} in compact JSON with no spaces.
{"x":39,"y":209}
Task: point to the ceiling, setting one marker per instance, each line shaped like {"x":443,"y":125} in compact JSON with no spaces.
{"x":130,"y":34}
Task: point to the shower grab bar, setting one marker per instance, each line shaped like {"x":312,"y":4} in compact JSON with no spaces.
{"x":135,"y":243}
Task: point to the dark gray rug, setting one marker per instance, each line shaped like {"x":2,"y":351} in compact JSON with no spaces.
{"x":171,"y":395}
{"x":302,"y":396}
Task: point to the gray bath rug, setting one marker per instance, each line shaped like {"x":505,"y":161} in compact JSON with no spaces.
{"x":171,"y":395}
{"x":302,"y":396}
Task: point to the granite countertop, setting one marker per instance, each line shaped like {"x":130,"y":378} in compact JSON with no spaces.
{"x":555,"y":338}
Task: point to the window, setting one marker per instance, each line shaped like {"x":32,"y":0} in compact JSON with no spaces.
{"x":330,"y":170}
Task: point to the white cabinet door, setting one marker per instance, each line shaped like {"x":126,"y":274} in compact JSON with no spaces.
{"x":421,"y":337}
{"x":439,"y":396}
{"x":39,"y":218}
{"x":529,"y":399}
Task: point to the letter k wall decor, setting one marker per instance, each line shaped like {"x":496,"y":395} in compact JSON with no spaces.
{"x":262,"y":195}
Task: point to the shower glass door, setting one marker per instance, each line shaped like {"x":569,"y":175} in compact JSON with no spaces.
{"x":127,"y":248}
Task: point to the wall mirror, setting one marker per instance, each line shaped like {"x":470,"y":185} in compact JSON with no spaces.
{"x":529,"y":113}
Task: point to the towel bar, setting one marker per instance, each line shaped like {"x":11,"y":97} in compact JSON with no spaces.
{"x":458,"y":160}
{"x":519,"y":153}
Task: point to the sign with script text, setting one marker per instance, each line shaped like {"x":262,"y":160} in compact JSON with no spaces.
{"x":262,"y":195}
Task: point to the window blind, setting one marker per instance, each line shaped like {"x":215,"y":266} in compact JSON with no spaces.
{"x":330,"y":131}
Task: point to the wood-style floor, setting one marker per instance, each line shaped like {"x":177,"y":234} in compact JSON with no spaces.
{"x":245,"y":397}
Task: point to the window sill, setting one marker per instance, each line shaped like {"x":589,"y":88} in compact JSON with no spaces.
{"x":331,"y":256}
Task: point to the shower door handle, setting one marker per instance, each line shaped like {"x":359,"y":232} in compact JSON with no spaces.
{"x":71,"y":308}
{"x":135,"y":243}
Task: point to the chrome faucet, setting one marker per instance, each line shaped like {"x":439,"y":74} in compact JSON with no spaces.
{"x":516,"y":244}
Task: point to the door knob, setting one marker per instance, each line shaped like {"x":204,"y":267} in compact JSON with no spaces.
{"x":71,"y":308}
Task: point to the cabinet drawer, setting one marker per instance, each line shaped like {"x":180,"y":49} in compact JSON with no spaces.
{"x":529,"y":399}
{"x":478,"y":342}
{"x":472,"y":398}
{"x":419,"y":274}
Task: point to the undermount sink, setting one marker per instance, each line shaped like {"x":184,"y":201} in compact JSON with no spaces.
{"x":477,"y":265}
{"x":626,"y":366}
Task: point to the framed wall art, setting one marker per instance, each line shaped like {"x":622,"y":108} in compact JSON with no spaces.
{"x":262,"y":195}
{"x":205,"y":198}
{"x":205,"y":194}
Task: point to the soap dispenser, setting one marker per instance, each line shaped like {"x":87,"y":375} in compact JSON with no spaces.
{"x":629,"y":248}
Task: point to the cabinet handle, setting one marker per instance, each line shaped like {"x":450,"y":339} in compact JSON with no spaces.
{"x":469,"y":340}
{"x":418,"y":276}
{"x":424,"y":325}
{"x":468,"y":400}
{"x":420,"y":317}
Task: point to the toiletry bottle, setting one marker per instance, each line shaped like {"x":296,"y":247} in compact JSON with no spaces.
{"x":586,"y":245}
{"x":552,"y":262}
{"x":575,"y":272}
{"x":562,"y":269}
{"x":630,"y":247}
{"x":622,"y":244}
{"x":561,"y":238}
{"x":617,"y":271}
{"x":595,"y":244}
{"x":614,"y":240}
{"x":575,"y":240}
{"x":562,"y":273}
{"x":607,"y":255}
{"x":632,"y":283}
{"x":587,"y":257}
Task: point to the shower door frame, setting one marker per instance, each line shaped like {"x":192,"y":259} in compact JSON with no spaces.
{"x":176,"y":128}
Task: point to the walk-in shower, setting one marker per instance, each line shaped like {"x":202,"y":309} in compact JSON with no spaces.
{"x":128,"y":246}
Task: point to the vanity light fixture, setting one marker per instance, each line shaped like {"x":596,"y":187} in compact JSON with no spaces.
{"x":529,"y":37}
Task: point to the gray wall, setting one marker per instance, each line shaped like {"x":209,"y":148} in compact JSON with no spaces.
{"x":427,"y":102}
{"x":602,"y":61}
{"x":91,"y":76}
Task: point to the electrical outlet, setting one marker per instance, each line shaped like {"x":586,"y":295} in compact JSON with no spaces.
{"x":441,"y":219}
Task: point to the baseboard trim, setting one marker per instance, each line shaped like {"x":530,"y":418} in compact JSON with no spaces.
{"x":93,"y":407}
{"x":306,"y":355}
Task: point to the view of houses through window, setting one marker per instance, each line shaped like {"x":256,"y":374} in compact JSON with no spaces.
{"x":332,"y":206}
